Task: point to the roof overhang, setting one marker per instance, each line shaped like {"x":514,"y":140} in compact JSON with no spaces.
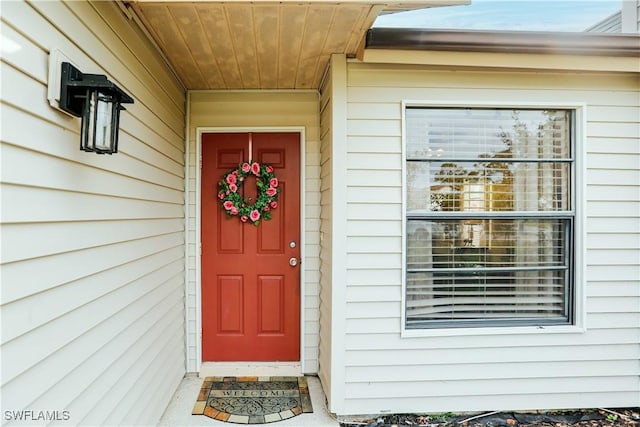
{"x":260,"y":44}
{"x":504,"y":49}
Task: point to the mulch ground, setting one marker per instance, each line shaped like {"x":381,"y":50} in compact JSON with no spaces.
{"x":629,"y":417}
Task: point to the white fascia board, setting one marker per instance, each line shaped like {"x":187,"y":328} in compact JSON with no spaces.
{"x":499,"y":60}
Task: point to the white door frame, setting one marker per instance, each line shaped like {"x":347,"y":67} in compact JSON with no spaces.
{"x":198,"y":242}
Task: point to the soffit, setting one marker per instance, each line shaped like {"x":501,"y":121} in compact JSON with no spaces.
{"x":260,"y":44}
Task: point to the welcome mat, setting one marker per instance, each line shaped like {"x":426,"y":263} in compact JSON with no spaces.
{"x":253,"y":400}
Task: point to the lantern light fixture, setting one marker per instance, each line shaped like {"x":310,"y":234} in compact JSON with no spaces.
{"x":98,"y":102}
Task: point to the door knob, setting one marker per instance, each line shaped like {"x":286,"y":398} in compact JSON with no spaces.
{"x":293,"y":261}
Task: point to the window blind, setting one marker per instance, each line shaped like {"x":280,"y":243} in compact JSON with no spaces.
{"x":489,"y":216}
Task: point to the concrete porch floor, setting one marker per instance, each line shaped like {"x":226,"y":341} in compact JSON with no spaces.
{"x":178,"y":413}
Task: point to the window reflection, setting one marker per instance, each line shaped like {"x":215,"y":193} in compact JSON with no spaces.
{"x":477,"y":182}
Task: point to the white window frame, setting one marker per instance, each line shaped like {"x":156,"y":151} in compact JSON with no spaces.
{"x":578,"y":187}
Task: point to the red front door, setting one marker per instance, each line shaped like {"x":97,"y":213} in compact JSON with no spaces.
{"x":250,"y":292}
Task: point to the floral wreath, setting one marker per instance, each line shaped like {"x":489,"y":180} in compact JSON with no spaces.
{"x":267,"y":199}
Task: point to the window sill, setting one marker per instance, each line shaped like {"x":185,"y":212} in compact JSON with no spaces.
{"x":514,"y":330}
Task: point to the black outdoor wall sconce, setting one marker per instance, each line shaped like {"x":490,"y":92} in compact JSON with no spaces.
{"x":98,"y":101}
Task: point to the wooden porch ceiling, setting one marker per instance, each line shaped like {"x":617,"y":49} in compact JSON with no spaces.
{"x":260,"y":44}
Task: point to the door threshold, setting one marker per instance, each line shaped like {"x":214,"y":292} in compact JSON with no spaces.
{"x":250,"y":369}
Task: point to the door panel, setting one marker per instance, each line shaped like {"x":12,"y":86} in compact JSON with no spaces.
{"x":250,"y":292}
{"x":230,"y":304}
{"x":271,"y":305}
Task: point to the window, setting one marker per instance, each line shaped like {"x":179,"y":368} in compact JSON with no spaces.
{"x":489,"y":217}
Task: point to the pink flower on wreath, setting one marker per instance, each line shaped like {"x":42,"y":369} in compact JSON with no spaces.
{"x":243,"y":218}
{"x":255,"y":168}
{"x":254,"y":215}
{"x":221,"y":195}
{"x":271,"y":191}
{"x":231,"y":179}
{"x":273,"y":204}
{"x":269,"y":169}
{"x":273,"y":182}
{"x":234,"y":211}
{"x":228,"y":205}
{"x":233,"y":188}
{"x":266,"y":208}
{"x":246,"y":167}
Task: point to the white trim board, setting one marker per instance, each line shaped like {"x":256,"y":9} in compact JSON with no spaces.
{"x":243,"y":369}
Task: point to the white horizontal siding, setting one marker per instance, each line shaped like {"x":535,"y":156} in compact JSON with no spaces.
{"x":497,"y":387}
{"x":482,"y":402}
{"x":236,"y":109}
{"x":624,"y":98}
{"x":385,"y":372}
{"x":611,"y":24}
{"x":93,"y":246}
{"x":468,"y":371}
{"x":596,"y":321}
{"x":626,"y":20}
